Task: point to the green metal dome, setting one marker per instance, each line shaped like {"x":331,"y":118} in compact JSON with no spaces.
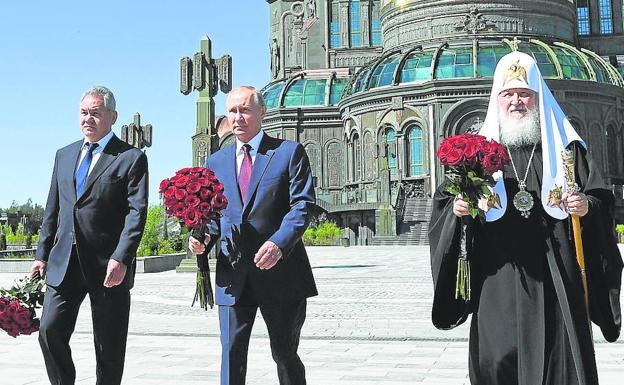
{"x":308,"y":88}
{"x":556,"y":60}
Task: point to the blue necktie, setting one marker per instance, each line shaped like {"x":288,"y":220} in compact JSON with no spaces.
{"x":82,"y":172}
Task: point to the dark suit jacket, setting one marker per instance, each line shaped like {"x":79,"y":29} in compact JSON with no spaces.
{"x":106,"y":222}
{"x":277,"y":208}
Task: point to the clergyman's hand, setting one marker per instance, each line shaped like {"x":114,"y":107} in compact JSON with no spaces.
{"x":38,"y":267}
{"x":115,"y":273}
{"x":196,"y":246}
{"x":460,"y":207}
{"x":576,"y":204}
{"x":267,"y":256}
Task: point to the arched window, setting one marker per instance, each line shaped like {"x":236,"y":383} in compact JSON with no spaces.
{"x":391,"y":147}
{"x":354,"y":155}
{"x":415,"y":151}
{"x":357,"y":157}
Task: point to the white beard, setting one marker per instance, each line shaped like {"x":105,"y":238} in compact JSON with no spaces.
{"x":525,"y":131}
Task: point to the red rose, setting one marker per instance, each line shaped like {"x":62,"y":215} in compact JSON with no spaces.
{"x":453,"y":158}
{"x":183,"y":171}
{"x":163,"y":185}
{"x":3,"y":303}
{"x":170,"y":192}
{"x":219,"y":202}
{"x":193,"y":187}
{"x":212,"y":178}
{"x":192,"y":219}
{"x":191,"y":201}
{"x":180,"y":194}
{"x":205,"y":194}
{"x":181,"y":181}
{"x":492,"y":162}
{"x":203,"y":181}
{"x":471,"y":150}
{"x":178,"y":210}
{"x":218,"y":188}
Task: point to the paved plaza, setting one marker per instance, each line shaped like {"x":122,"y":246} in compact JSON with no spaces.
{"x":370,"y":325}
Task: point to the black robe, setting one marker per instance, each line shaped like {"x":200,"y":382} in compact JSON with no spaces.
{"x":529,"y":325}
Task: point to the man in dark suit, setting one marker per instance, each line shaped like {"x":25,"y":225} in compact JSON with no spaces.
{"x":262,"y":262}
{"x":91,"y":229}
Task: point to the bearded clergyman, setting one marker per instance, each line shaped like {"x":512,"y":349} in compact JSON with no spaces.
{"x":529,"y":323}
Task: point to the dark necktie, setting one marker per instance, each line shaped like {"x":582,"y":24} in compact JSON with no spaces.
{"x":82,"y":172}
{"x":245,"y":171}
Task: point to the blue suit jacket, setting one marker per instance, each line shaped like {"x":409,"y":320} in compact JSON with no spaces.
{"x":106,"y":222}
{"x":277,"y":208}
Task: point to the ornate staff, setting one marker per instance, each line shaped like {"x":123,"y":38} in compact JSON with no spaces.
{"x":568,"y":167}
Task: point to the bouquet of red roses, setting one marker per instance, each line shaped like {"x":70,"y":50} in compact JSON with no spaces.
{"x":472,"y":160}
{"x":195,"y":196}
{"x":17,"y":307}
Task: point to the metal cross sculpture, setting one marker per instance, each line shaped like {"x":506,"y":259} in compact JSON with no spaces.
{"x":208,"y":76}
{"x":137,"y":135}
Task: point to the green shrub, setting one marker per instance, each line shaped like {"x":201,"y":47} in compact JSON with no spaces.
{"x":326,"y":233}
{"x":619,"y":228}
{"x":17,"y":237}
{"x":165,"y":247}
{"x":308,"y":237}
{"x":153,"y":242}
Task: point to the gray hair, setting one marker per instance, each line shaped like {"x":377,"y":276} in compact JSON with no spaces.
{"x":257,"y":97}
{"x":104,"y":93}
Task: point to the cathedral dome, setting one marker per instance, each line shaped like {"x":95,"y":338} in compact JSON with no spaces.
{"x":307,"y":88}
{"x":477,"y":60}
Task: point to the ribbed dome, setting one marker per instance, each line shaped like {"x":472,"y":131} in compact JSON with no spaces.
{"x":418,"y":65}
{"x":308,"y":88}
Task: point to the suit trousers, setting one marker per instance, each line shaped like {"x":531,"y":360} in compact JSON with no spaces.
{"x":284,"y":322}
{"x":110,"y":309}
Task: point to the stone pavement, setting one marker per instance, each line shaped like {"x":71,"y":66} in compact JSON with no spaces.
{"x":370,"y":325}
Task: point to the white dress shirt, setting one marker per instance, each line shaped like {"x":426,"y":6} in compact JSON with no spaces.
{"x":254,"y":143}
{"x":97,"y":152}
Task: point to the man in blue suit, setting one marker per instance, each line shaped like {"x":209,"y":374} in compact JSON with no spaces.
{"x":92,"y":226}
{"x":262,"y":262}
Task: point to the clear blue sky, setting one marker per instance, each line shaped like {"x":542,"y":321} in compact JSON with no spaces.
{"x":51,"y":51}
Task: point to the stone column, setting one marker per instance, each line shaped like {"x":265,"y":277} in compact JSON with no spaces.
{"x":365,"y":22}
{"x":345,"y":36}
{"x":594,"y":17}
{"x":618,"y":22}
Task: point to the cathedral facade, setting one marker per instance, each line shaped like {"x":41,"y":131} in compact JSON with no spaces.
{"x":372,"y":87}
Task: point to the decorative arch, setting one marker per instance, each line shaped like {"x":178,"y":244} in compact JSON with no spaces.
{"x":464,"y":116}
